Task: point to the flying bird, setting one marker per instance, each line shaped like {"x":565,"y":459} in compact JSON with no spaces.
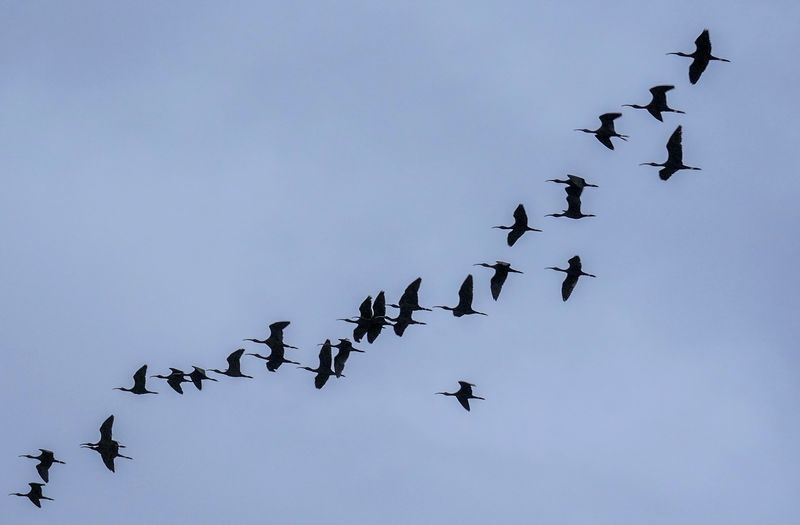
{"x":275,"y":359}
{"x":46,"y":459}
{"x":198,"y":375}
{"x":107,"y":447}
{"x":363,"y":321}
{"x":575,"y":181}
{"x":275,"y":338}
{"x":519,"y":227}
{"x":464,"y":394}
{"x":174,"y":379}
{"x":700,"y":57}
{"x":410,"y":297}
{"x":464,"y":306}
{"x":34,"y":494}
{"x":345,"y":347}
{"x":574,"y":271}
{"x":573,"y":210}
{"x":403,"y":320}
{"x":658,"y":103}
{"x":606,"y":130}
{"x":501,"y":271}
{"x":234,"y":365}
{"x":674,"y":161}
{"x":139,"y":379}
{"x":371,"y":320}
{"x":323,"y":371}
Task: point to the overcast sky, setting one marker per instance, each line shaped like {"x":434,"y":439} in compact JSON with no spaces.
{"x":176,"y":176}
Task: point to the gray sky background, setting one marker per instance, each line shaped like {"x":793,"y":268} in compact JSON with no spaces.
{"x":176,"y":177}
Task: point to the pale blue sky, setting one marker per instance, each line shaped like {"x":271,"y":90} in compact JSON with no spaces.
{"x":177,"y":177}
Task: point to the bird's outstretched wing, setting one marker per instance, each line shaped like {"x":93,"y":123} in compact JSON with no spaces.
{"x":44,"y":472}
{"x":568,"y":285}
{"x":703,"y":43}
{"x":513,"y":236}
{"x":410,"y":296}
{"x":498,"y":279}
{"x":234,"y":360}
{"x":675,"y":146}
{"x":276,"y":329}
{"x":140,"y":377}
{"x":696,"y":69}
{"x":464,"y":402}
{"x":605,"y":141}
{"x":108,"y":460}
{"x":465,"y":292}
{"x":325,"y":355}
{"x":320,"y":380}
{"x":520,"y":217}
{"x":365,"y":309}
{"x":106,"y":429}
{"x":379,"y":305}
{"x":607,"y":119}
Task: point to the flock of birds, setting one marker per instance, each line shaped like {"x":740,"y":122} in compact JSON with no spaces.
{"x":372,"y":317}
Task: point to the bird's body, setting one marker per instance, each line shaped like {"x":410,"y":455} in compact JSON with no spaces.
{"x":198,"y":375}
{"x":107,"y":447}
{"x":574,"y":271}
{"x":34,"y":494}
{"x":463,"y":394}
{"x":234,"y":365}
{"x":674,"y":161}
{"x":46,"y":460}
{"x":658,"y":103}
{"x":464,"y":306}
{"x":175,"y":379}
{"x":700,"y":57}
{"x":139,"y":380}
{"x":323,"y":370}
{"x":345,"y":347}
{"x":519,"y":227}
{"x":501,"y":271}
{"x":606,"y":130}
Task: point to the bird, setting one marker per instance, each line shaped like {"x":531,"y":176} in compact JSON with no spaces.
{"x":464,"y":394}
{"x":464,"y":306}
{"x":323,"y":371}
{"x":378,"y":320}
{"x":174,"y":379}
{"x":674,"y":161}
{"x":701,"y":56}
{"x":606,"y":129}
{"x":403,"y":320}
{"x":658,"y":103}
{"x":34,"y":494}
{"x":198,"y":375}
{"x":139,"y":379}
{"x":573,"y":210}
{"x":410,"y":297}
{"x":275,"y":359}
{"x":501,"y":271}
{"x":363,"y":320}
{"x":234,"y":365}
{"x":345,"y":347}
{"x":519,"y":227}
{"x":107,"y":447}
{"x":275,"y":335}
{"x":46,"y":459}
{"x":574,"y":271}
{"x":575,"y":181}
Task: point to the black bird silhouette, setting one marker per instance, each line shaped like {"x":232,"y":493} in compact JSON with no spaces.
{"x":174,"y":379}
{"x":46,"y":459}
{"x":519,"y":227}
{"x":501,"y":271}
{"x":275,"y":359}
{"x":34,"y":494}
{"x":606,"y":130}
{"x":275,"y":338}
{"x":363,"y":321}
{"x":464,"y":306}
{"x":574,"y":271}
{"x":657,"y":104}
{"x":701,"y":56}
{"x":574,"y":181}
{"x":573,"y":210}
{"x":139,"y":379}
{"x":674,"y":161}
{"x":464,"y":394}
{"x":234,"y":365}
{"x":198,"y":375}
{"x":403,"y":320}
{"x":410,"y":297}
{"x":323,"y":371}
{"x":345,"y":347}
{"x":107,"y":447}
